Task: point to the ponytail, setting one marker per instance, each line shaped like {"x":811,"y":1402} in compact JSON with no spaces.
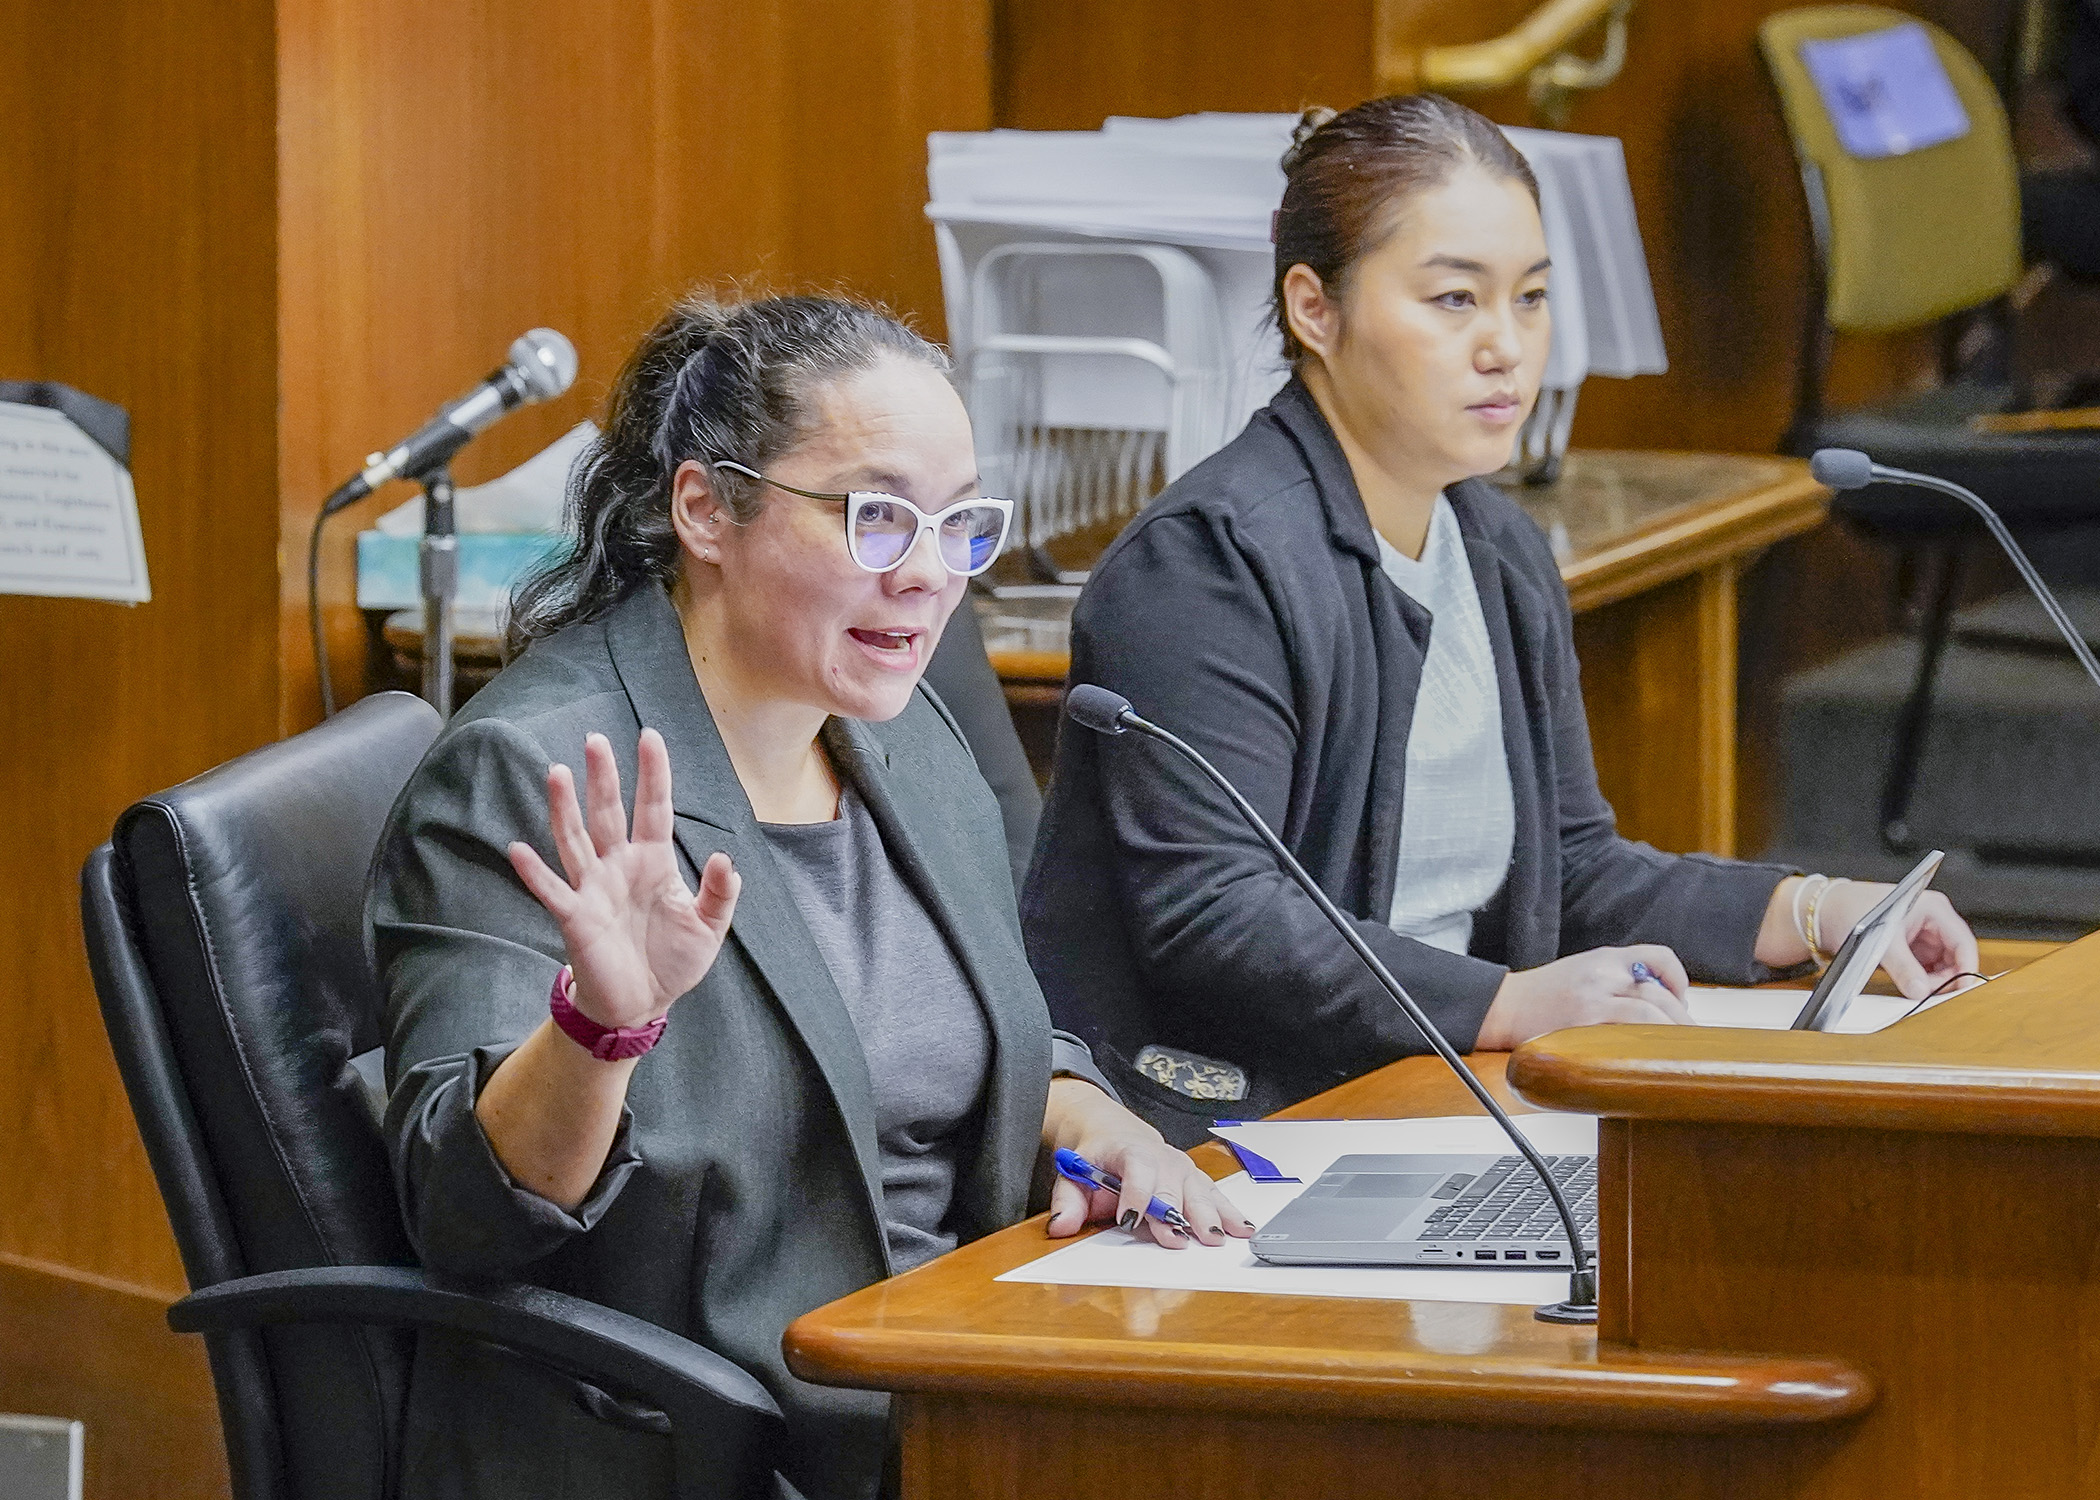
{"x":714,"y":379}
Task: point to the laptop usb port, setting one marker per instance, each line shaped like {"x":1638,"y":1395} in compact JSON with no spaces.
{"x":1483,"y":1255}
{"x":1513,"y":1255}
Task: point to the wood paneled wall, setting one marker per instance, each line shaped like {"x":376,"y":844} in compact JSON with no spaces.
{"x":281,"y":232}
{"x":455,"y":175}
{"x":1713,"y":176}
{"x":137,"y":261}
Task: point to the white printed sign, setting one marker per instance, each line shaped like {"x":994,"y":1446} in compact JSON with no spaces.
{"x":69,"y":522}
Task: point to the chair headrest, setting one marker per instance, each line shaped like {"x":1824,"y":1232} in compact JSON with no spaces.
{"x":1906,"y":239}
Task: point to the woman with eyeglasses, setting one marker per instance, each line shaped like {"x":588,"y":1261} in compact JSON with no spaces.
{"x":1374,"y":642}
{"x":763,"y":1032}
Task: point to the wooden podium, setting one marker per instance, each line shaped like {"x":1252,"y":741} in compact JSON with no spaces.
{"x":1833,"y":1266}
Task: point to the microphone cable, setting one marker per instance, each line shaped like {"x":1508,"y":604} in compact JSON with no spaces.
{"x":313,"y":611}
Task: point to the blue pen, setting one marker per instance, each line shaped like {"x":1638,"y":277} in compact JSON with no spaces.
{"x":1071,"y":1164}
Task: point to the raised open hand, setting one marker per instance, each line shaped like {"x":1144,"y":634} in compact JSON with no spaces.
{"x":637,"y":937}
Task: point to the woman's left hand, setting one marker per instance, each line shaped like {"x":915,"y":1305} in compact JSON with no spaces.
{"x":1936,"y":946}
{"x":1083,"y":1119}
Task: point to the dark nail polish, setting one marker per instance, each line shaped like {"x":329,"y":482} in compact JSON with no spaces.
{"x":1129,"y":1220}
{"x":1217,"y":1229}
{"x":1182,"y":1232}
{"x":1248,"y":1222}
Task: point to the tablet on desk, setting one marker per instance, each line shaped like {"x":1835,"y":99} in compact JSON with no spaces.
{"x":1863,"y":949}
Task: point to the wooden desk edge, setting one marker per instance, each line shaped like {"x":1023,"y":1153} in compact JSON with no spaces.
{"x":1789,"y":503}
{"x":2020,"y":1057}
{"x":1685,"y":543}
{"x":1646,"y":1390}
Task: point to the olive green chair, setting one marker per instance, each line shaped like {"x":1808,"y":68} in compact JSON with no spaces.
{"x":1927,"y":239}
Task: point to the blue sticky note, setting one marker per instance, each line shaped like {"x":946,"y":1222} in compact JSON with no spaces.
{"x":1886,"y":91}
{"x":1257,"y":1166}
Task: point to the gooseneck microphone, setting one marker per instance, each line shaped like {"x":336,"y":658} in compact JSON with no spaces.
{"x":1849,"y":469}
{"x":541,"y":366}
{"x":1096,"y":708}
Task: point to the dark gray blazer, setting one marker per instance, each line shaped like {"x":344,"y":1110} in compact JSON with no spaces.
{"x":1246,"y":610}
{"x":745,"y":1184}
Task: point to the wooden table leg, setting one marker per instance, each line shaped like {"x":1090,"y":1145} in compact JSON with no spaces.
{"x":1658,"y":678}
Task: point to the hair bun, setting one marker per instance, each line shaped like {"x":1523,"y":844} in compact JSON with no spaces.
{"x":1309,"y":122}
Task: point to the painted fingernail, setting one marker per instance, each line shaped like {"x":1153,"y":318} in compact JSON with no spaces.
{"x":1182,"y":1232}
{"x":1129,"y":1220}
{"x":1217,"y":1229}
{"x":1248,"y":1222}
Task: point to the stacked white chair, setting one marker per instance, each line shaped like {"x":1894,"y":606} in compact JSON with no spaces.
{"x":1108,"y":298}
{"x":1077,"y":422}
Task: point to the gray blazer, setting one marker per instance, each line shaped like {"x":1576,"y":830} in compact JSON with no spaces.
{"x":744,"y":1186}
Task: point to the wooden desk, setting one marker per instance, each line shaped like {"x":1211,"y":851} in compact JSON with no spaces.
{"x":1882,"y":1260}
{"x":1651,"y":545}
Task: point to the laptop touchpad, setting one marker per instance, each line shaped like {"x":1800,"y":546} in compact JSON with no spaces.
{"x":1389,"y":1185}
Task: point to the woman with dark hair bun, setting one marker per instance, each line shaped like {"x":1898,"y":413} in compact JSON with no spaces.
{"x":762,"y":1032}
{"x":1375,"y":644}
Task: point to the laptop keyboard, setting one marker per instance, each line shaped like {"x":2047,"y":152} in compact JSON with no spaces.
{"x":1507,"y":1203}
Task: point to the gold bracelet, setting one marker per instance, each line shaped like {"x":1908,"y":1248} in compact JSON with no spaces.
{"x":1808,"y":883}
{"x":1815,"y":921}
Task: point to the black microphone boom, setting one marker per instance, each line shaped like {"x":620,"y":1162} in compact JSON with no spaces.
{"x":1849,"y":469}
{"x":541,"y":366}
{"x":1096,"y":708}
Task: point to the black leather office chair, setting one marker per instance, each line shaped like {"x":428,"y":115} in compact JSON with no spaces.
{"x":224,"y":927}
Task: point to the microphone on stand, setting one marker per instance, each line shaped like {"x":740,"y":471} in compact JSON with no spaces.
{"x":1096,"y":708}
{"x":1849,"y":469}
{"x":542,"y":365}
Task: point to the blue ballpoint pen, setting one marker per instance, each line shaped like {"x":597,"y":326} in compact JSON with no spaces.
{"x":1071,"y":1164}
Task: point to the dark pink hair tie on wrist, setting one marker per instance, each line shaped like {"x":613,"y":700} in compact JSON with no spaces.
{"x":606,"y":1043}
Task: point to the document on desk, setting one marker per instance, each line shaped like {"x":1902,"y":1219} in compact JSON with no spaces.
{"x":1305,"y":1149}
{"x":1774,"y":1010}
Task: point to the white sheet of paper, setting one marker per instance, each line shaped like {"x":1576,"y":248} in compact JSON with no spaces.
{"x":69,"y":522}
{"x":1774,"y":1010}
{"x":1305,"y":1148}
{"x":528,"y":498}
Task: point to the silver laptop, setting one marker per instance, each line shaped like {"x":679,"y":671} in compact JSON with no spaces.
{"x":1492,"y":1211}
{"x":1485,"y":1211}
